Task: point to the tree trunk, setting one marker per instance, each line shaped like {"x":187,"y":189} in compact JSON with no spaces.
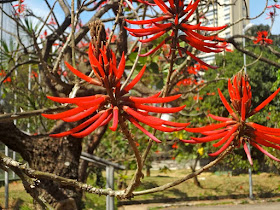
{"x":195,"y":179}
{"x":58,"y":156}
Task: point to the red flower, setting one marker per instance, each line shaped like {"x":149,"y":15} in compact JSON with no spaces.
{"x":19,"y":8}
{"x":175,"y":146}
{"x":187,"y":81}
{"x":44,"y":35}
{"x":271,"y":15}
{"x":104,"y":108}
{"x":274,"y":6}
{"x":262,"y":38}
{"x":236,"y":130}
{"x":33,"y":74}
{"x":211,"y":94}
{"x":177,"y":15}
{"x":52,"y":21}
{"x":200,"y":67}
{"x":226,"y":46}
{"x":197,"y":97}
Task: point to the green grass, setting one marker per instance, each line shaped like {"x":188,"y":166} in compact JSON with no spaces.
{"x":214,"y":187}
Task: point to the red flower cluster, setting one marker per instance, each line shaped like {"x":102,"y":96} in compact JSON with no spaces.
{"x":177,"y":14}
{"x":262,"y":38}
{"x":196,"y":68}
{"x":20,"y":8}
{"x":235,"y":130}
{"x":101,"y":109}
{"x":186,"y":82}
{"x":3,"y":74}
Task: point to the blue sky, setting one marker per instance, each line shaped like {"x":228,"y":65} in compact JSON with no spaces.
{"x":256,"y":6}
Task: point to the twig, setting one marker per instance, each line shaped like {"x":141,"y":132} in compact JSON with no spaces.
{"x":138,"y":174}
{"x":115,"y":24}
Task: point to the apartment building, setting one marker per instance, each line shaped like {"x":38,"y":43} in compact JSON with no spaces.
{"x":225,"y":12}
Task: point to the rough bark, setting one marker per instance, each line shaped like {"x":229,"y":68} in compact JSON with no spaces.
{"x":58,"y":156}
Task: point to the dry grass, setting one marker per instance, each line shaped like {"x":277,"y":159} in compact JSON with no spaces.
{"x":214,"y":186}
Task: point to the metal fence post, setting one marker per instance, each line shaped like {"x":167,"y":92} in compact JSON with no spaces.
{"x":6,"y":182}
{"x":110,"y":184}
{"x":251,"y":196}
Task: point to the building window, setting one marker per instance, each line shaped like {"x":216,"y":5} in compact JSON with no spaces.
{"x":226,"y":8}
{"x":227,"y":18}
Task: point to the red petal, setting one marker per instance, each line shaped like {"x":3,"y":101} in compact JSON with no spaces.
{"x":71,"y":100}
{"x":134,"y":122}
{"x":154,"y":100}
{"x":121,"y":67}
{"x":81,"y":115}
{"x":166,"y":129}
{"x":207,"y":128}
{"x":78,"y":128}
{"x":82,"y":76}
{"x":141,"y":22}
{"x":210,"y":137}
{"x":218,"y":118}
{"x":155,"y":96}
{"x":153,"y":37}
{"x":154,"y":29}
{"x":104,"y":56}
{"x":198,"y":60}
{"x":140,"y":117}
{"x":156,"y":48}
{"x":88,"y":104}
{"x":236,"y":88}
{"x":205,"y":28}
{"x":207,"y":133}
{"x":266,"y":144}
{"x":265,"y":152}
{"x":193,"y":8}
{"x":231,"y":91}
{"x":162,"y":6}
{"x":67,"y":113}
{"x":94,"y":62}
{"x":246,"y":149}
{"x":135,"y":80}
{"x":190,"y":141}
{"x":273,"y":139}
{"x":265,"y":102}
{"x":223,"y":140}
{"x":92,"y":127}
{"x":223,"y":148}
{"x":264,"y":128}
{"x":107,"y":120}
{"x":231,"y":112}
{"x":115,"y":119}
{"x":160,"y":109}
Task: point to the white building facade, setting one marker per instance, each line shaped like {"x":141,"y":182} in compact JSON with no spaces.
{"x":225,"y":12}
